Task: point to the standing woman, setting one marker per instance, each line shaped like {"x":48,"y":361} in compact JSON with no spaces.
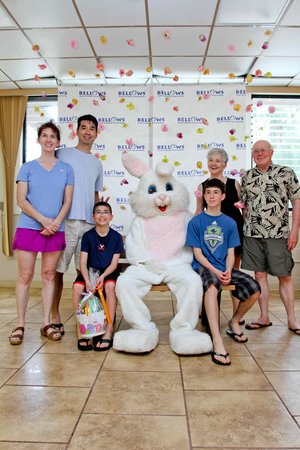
{"x":217,"y":159}
{"x":44,"y":194}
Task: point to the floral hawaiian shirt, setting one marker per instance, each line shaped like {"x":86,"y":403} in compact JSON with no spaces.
{"x":266,"y":196}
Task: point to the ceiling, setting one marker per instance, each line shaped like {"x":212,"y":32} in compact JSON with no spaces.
{"x":47,"y":43}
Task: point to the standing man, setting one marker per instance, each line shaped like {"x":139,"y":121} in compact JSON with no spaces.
{"x":268,"y":242}
{"x":88,"y":181}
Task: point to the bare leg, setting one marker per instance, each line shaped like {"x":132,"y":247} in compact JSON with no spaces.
{"x":242,"y":309}
{"x":111,"y":301}
{"x":58,"y":287}
{"x":287,"y":294}
{"x":235,"y":301}
{"x":77,"y":291}
{"x":212,"y":312}
{"x":49,"y":262}
{"x":263,"y":319}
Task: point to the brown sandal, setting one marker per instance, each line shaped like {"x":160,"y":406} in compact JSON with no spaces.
{"x":51,"y":335}
{"x":16,"y":339}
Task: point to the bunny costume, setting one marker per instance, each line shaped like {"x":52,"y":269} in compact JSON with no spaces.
{"x":155,"y":249}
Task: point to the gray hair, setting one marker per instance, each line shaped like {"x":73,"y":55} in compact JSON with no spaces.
{"x":220,"y":151}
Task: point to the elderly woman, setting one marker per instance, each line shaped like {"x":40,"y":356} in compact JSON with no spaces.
{"x":217,"y":159}
{"x":44,"y":194}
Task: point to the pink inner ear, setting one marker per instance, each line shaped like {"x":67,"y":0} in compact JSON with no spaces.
{"x":134,"y":165}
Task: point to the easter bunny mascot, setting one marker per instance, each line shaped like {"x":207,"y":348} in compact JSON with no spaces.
{"x":156,"y":253}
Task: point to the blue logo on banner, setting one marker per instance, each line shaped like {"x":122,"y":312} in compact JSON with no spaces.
{"x":240,"y":92}
{"x":93,"y":93}
{"x":231,"y":118}
{"x":133,"y":93}
{"x":241,"y":146}
{"x":99,"y":146}
{"x":115,"y":227}
{"x":209,"y":145}
{"x":147,"y":120}
{"x":122,"y":200}
{"x":171,"y":93}
{"x":211,"y":92}
{"x":189,"y":173}
{"x":170,"y":147}
{"x":188,"y":120}
{"x":134,"y":147}
{"x":111,"y":120}
{"x":114,"y":173}
{"x":62,"y":93}
{"x":67,"y":119}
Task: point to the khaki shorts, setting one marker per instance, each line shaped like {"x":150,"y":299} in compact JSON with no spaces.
{"x":74,"y":230}
{"x":267,"y":255}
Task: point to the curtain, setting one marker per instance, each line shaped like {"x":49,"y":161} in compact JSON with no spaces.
{"x":12,"y":113}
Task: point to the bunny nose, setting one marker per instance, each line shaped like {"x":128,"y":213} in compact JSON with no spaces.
{"x":162,"y":197}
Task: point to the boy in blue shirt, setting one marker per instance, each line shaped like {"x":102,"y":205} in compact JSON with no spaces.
{"x":213,"y":237}
{"x":100,"y":249}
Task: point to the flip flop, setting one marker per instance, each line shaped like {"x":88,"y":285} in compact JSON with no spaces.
{"x":295,"y":330}
{"x":104,"y":349}
{"x":216,"y":361}
{"x":257,"y":325}
{"x":84,"y":345}
{"x":234,"y":336}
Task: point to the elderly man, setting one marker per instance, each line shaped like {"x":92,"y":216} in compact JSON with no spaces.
{"x":268,"y":242}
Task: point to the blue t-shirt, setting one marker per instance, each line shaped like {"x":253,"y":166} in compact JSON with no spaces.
{"x":46,"y":189}
{"x":88,"y":172}
{"x":214,"y":235}
{"x":101,"y":249}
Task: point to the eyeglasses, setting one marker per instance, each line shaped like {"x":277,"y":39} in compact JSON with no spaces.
{"x":260,"y":150}
{"x":102,"y":213}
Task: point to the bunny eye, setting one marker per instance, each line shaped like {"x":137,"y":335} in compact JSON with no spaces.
{"x":169,"y":187}
{"x":152,"y":189}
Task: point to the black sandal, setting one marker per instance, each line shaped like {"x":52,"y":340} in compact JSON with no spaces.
{"x":84,"y":345}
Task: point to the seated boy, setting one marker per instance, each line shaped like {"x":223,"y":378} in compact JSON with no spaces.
{"x":100,"y":249}
{"x":213,"y":236}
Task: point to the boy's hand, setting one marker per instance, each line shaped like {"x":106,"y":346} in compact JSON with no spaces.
{"x":226,"y":277}
{"x":99,"y":282}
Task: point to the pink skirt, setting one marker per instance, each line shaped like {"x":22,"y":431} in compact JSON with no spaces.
{"x":33,"y":241}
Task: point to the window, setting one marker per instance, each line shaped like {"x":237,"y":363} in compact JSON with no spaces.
{"x":39,"y":110}
{"x":277,"y":119}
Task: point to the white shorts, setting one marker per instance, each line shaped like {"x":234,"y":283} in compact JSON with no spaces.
{"x":74,"y":230}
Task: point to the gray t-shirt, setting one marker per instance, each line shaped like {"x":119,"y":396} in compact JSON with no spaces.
{"x":88,"y":172}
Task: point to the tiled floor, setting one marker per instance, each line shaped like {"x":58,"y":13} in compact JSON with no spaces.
{"x":53,"y":397}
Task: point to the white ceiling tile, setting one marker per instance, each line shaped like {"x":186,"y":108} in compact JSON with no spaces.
{"x":179,"y":12}
{"x":292,"y":15}
{"x":117,"y":38}
{"x":181,"y":66}
{"x":22,"y":70}
{"x":284,"y":42}
{"x":254,"y":11}
{"x":43,"y":13}
{"x":81,"y":67}
{"x":14,"y":44}
{"x":56,"y":42}
{"x":112,"y":12}
{"x":279,"y":67}
{"x":180,"y":40}
{"x":5,"y":20}
{"x":8,"y":85}
{"x":224,"y":37}
{"x":137,"y":65}
{"x":266,"y":82}
{"x":43,"y":84}
{"x":295,"y":82}
{"x":221,"y":67}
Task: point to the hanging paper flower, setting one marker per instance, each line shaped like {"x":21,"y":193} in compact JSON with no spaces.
{"x":265,"y":45}
{"x":197,"y":193}
{"x":165,"y":159}
{"x":130,"y":42}
{"x":124,"y":181}
{"x":148,"y":69}
{"x":200,"y":130}
{"x":125,"y":125}
{"x":272,"y":109}
{"x":71,"y":73}
{"x":249,"y":78}
{"x":167,"y":35}
{"x":167,"y":70}
{"x":204,"y":121}
{"x":231,"y":76}
{"x":179,"y":135}
{"x":259,"y":103}
{"x":129,"y":73}
{"x":35,"y":48}
{"x":199,"y":165}
{"x":200,"y":68}
{"x":100,"y":66}
{"x":268,"y":33}
{"x":232,"y":131}
{"x":42,"y":66}
{"x":175,"y":78}
{"x":206,"y":72}
{"x":202,"y":37}
{"x":101,"y":127}
{"x":250,"y":43}
{"x":232,"y":138}
{"x":121,"y":72}
{"x":122,"y":100}
{"x":150,"y":154}
{"x":231,"y":102}
{"x":233,"y":172}
{"x":268,"y":74}
{"x":129,"y":141}
{"x":206,"y":96}
{"x":73,"y":44}
{"x":130,"y":106}
{"x":175,"y":108}
{"x":151,"y":98}
{"x":231,"y":48}
{"x":258,"y":73}
{"x":95,"y":102}
{"x":164,"y":128}
{"x":36,"y":78}
{"x":103,"y":39}
{"x":249,"y":108}
{"x":237,"y":107}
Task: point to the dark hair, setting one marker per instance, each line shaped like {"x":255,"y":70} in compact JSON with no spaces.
{"x":88,"y":117}
{"x":102,"y":204}
{"x":51,"y":125}
{"x":214,"y":182}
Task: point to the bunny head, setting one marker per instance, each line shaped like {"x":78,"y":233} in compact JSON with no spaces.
{"x":158,"y":192}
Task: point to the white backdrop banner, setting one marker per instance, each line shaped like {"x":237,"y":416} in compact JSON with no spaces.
{"x":157,"y":123}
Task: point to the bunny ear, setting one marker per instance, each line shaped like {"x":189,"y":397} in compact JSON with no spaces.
{"x":134,"y":165}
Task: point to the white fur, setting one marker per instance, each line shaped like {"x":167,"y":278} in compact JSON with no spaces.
{"x":155,"y":249}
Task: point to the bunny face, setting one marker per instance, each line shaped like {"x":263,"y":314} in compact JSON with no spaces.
{"x":158,"y":192}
